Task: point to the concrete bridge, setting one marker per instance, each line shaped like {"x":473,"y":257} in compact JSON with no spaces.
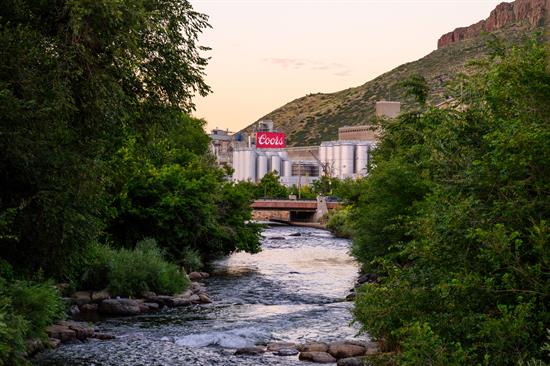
{"x":292,"y":210}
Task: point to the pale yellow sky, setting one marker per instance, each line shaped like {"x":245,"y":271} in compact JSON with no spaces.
{"x":265,"y":53}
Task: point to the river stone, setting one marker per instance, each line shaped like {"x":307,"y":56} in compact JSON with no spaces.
{"x":98,"y":296}
{"x":104,"y":336}
{"x":287,"y":352}
{"x":34,"y":346}
{"x":148,"y":294}
{"x":82,"y":330}
{"x":250,"y":351}
{"x":352,"y":361}
{"x":205,"y":274}
{"x":61,"y":332}
{"x":295,"y":234}
{"x":89,"y":308}
{"x":204,"y":299}
{"x":195,"y":299}
{"x":81,"y":297}
{"x":277,"y":238}
{"x":119,"y":307}
{"x":372,"y":348}
{"x":276,"y":346}
{"x":319,"y":357}
{"x":195,"y":276}
{"x":180,"y":301}
{"x":53,"y":342}
{"x":345,"y":350}
{"x":153,"y":306}
{"x":74,"y":310}
{"x":313,"y":347}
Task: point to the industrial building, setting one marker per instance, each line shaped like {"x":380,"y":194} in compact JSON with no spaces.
{"x":347,"y":157}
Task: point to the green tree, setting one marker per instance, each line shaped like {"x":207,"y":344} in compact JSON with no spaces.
{"x":270,"y":186}
{"x":454,"y":215}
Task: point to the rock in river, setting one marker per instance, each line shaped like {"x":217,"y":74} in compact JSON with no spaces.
{"x":119,"y":307}
{"x":319,"y":357}
{"x":250,"y":351}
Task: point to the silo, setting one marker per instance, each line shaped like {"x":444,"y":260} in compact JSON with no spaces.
{"x":249,"y":165}
{"x":276,"y":164}
{"x":287,"y":171}
{"x":337,"y":158}
{"x":330,"y":158}
{"x":361,"y":158}
{"x":323,"y":152}
{"x":262,"y":165}
{"x":347,"y":161}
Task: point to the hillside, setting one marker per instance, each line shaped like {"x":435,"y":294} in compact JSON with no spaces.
{"x":317,"y":117}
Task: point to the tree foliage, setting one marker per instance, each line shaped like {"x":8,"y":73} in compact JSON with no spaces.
{"x":455,"y":216}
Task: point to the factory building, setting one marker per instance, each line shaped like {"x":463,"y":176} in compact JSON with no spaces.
{"x":253,"y":156}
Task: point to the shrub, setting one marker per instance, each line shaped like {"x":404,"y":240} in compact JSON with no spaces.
{"x":191,"y":260}
{"x":339,"y":223}
{"x":127,"y":272}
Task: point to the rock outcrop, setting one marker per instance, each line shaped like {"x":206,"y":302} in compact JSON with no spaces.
{"x":525,"y":12}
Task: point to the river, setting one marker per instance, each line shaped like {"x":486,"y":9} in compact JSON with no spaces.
{"x":293,"y":290}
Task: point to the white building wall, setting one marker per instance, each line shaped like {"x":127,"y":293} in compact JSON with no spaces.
{"x":347,"y":150}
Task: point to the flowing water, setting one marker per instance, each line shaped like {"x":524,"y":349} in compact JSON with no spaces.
{"x":293,"y":290}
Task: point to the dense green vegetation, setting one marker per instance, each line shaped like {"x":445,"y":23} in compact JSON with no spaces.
{"x":454,"y":216}
{"x":99,"y":152}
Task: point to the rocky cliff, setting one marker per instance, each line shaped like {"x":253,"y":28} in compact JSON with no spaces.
{"x":530,"y":13}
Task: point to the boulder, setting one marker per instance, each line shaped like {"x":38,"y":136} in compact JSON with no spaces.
{"x":295,"y":234}
{"x":74,"y":310}
{"x":104,"y":336}
{"x":119,"y":307}
{"x":89,"y":308}
{"x":205,"y":274}
{"x":287,"y":352}
{"x":352,"y":361}
{"x":204,"y":299}
{"x":313,"y":347}
{"x":180,"y":301}
{"x":98,"y":296}
{"x":276,"y":346}
{"x":319,"y":357}
{"x":148,"y":294}
{"x":195,"y":276}
{"x":250,"y":351}
{"x":372,"y":348}
{"x":53,"y":342}
{"x":34,"y":346}
{"x":195,"y":299}
{"x":162,"y":300}
{"x":345,"y":350}
{"x":61,"y":332}
{"x":81,"y":297}
{"x":153,"y":306}
{"x":82,"y":330}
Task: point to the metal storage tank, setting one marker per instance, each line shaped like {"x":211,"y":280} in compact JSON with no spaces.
{"x":337,"y":159}
{"x":287,"y":170}
{"x":323,"y":152}
{"x":249,"y":165}
{"x":347,"y":159}
{"x":262,"y":165}
{"x":276,"y":164}
{"x":330,"y":158}
{"x":361,"y":158}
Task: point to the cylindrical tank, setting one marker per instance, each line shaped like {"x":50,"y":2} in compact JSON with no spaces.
{"x":287,"y":170}
{"x":262,"y":165}
{"x":249,"y":165}
{"x":330,"y":159}
{"x":346,"y":159}
{"x":361,"y":159}
{"x":323,"y":153}
{"x":276,"y":164}
{"x":337,"y":158}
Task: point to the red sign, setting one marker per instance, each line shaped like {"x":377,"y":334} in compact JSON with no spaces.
{"x":270,"y":140}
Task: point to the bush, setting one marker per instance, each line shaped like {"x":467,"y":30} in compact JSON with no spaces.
{"x":26,"y":309}
{"x":127,"y":272}
{"x":339,"y":223}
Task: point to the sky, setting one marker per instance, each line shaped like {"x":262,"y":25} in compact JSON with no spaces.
{"x":266,"y":53}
